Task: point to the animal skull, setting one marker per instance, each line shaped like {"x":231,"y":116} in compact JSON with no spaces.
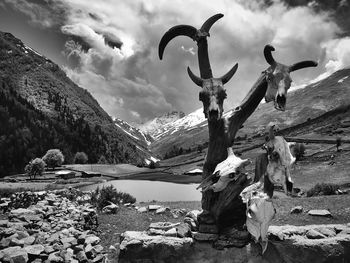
{"x":280,"y":160}
{"x":228,"y":170}
{"x":213,"y":93}
{"x":278,"y":78}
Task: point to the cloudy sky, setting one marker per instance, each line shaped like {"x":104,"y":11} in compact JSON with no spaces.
{"x":110,"y":47}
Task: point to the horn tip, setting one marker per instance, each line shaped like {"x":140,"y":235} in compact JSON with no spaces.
{"x":270,"y":47}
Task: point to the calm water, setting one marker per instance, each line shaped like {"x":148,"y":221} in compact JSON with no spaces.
{"x":145,"y":191}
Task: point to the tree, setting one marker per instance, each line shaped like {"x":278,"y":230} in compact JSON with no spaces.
{"x":35,"y":167}
{"x":80,"y":158}
{"x":102,"y":160}
{"x":53,"y":158}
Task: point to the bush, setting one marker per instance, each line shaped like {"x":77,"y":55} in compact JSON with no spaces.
{"x":338,"y":143}
{"x":53,"y":158}
{"x":323,"y":189}
{"x":101,"y":197}
{"x":102,"y":160}
{"x":35,"y":167}
{"x":80,"y":158}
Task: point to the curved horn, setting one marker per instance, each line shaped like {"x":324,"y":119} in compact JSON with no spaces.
{"x":302,"y":64}
{"x":180,"y":30}
{"x":210,"y":21}
{"x":268,"y":56}
{"x":197,"y":80}
{"x":225,"y":78}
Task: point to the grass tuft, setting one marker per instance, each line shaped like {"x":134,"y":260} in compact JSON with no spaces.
{"x":323,"y":189}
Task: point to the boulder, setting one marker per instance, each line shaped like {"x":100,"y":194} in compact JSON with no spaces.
{"x":183,"y":230}
{"x":296,"y":210}
{"x":93,"y":240}
{"x":154,"y":207}
{"x":142,"y":209}
{"x":171,"y":232}
{"x":313,"y":234}
{"x":162,"y":210}
{"x":139,"y":245}
{"x":320,"y":212}
{"x":14,"y":255}
{"x":34,"y":249}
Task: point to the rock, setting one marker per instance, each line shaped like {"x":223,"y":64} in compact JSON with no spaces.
{"x":161,"y":210}
{"x":204,"y":236}
{"x":183,"y":230}
{"x":54,"y":257}
{"x":93,"y":240}
{"x":159,"y":248}
{"x":163,"y":225}
{"x":313,"y":234}
{"x":326,"y":231}
{"x":81,"y":256}
{"x":110,"y":209}
{"x":34,"y":249}
{"x":15,"y":255}
{"x":320,"y":212}
{"x":153,"y":232}
{"x":28,"y":240}
{"x":171,"y":232}
{"x":194,"y":215}
{"x":4,"y":243}
{"x":3,"y":223}
{"x":191,"y":223}
{"x":49,"y":249}
{"x":296,"y":210}
{"x":142,"y":209}
{"x":98,"y":258}
{"x":153,"y":207}
{"x":98,"y":249}
{"x":211,"y":229}
{"x":21,"y":211}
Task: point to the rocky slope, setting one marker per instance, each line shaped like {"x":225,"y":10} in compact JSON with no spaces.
{"x":303,"y":105}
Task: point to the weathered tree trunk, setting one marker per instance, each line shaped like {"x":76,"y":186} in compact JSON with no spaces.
{"x":226,"y":208}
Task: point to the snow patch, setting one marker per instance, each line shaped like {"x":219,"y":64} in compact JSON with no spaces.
{"x":32,"y":50}
{"x":342,"y":79}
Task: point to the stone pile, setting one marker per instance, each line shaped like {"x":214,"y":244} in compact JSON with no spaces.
{"x":54,"y":229}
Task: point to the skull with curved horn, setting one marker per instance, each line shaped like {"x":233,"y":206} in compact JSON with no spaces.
{"x":278,"y":78}
{"x":213,"y":92}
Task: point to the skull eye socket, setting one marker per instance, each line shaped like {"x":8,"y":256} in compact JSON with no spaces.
{"x":222,"y":95}
{"x":269,"y":77}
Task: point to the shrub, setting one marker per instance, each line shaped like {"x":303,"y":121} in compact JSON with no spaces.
{"x":80,"y":158}
{"x":35,"y":167}
{"x":101,"y":197}
{"x":53,"y":158}
{"x":323,"y":189}
{"x":102,"y":160}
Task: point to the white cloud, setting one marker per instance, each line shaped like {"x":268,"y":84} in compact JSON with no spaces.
{"x":148,"y":86}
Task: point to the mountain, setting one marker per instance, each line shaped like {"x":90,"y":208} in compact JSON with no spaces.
{"x":159,"y":125}
{"x":41,"y":108}
{"x":328,"y":97}
{"x":141,"y":138}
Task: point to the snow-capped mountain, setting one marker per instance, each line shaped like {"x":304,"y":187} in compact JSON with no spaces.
{"x":135,"y":133}
{"x":159,"y":124}
{"x":313,"y":101}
